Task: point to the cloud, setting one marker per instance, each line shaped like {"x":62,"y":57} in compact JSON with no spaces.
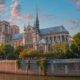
{"x":77,"y":3}
{"x":26,"y":17}
{"x":14,"y":12}
{"x":15,"y":4}
{"x":15,"y":9}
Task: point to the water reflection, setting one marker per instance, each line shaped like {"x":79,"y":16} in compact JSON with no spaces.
{"x":20,"y":77}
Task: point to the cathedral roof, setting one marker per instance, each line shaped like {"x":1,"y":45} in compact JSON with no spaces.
{"x":51,"y":30}
{"x":17,"y":36}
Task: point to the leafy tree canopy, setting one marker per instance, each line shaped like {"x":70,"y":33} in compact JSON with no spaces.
{"x":75,"y":43}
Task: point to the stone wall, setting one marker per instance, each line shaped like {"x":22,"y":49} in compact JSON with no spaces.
{"x":67,"y":67}
{"x":7,"y":66}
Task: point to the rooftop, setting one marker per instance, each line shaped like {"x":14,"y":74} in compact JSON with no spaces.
{"x":51,"y":30}
{"x":17,"y":36}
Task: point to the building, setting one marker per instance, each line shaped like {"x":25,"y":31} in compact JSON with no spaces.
{"x":6,"y":32}
{"x":33,"y":37}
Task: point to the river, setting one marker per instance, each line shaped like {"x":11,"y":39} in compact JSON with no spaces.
{"x":21,"y":77}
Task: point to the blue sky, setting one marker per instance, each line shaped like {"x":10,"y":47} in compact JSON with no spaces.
{"x":51,"y":13}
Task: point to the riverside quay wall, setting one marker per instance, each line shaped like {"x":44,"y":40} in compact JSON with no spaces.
{"x":58,"y":67}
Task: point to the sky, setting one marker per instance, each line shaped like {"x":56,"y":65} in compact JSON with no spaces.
{"x":51,"y":13}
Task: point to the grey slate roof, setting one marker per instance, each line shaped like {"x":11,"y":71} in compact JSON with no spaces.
{"x":58,"y":29}
{"x":17,"y":36}
{"x":51,"y":30}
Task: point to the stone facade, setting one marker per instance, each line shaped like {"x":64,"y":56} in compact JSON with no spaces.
{"x":6,"y":32}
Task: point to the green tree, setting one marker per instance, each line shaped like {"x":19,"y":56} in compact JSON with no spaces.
{"x":62,"y":51}
{"x":18,"y":49}
{"x":9,"y":50}
{"x":23,"y":54}
{"x":12,"y":56}
{"x":75,"y":44}
{"x":33,"y":53}
{"x":29,"y":54}
{"x":2,"y":52}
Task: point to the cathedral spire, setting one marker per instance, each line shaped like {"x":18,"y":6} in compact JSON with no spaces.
{"x":37,"y":20}
{"x":24,"y":28}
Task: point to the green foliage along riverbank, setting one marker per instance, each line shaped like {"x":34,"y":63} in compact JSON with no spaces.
{"x":59,"y":51}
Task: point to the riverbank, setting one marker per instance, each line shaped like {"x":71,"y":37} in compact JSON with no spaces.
{"x":60,"y":67}
{"x":29,"y":77}
{"x":25,"y":74}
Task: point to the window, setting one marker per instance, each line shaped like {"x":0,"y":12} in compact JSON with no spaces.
{"x":29,"y":37}
{"x":63,"y":38}
{"x":54,"y":38}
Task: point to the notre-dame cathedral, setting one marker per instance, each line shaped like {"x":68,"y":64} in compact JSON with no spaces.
{"x":33,"y":37}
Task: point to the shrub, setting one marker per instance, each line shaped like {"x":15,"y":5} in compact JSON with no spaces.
{"x":43,"y":65}
{"x":18,"y":62}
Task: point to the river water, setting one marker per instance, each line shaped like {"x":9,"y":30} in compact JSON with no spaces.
{"x":20,"y":77}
